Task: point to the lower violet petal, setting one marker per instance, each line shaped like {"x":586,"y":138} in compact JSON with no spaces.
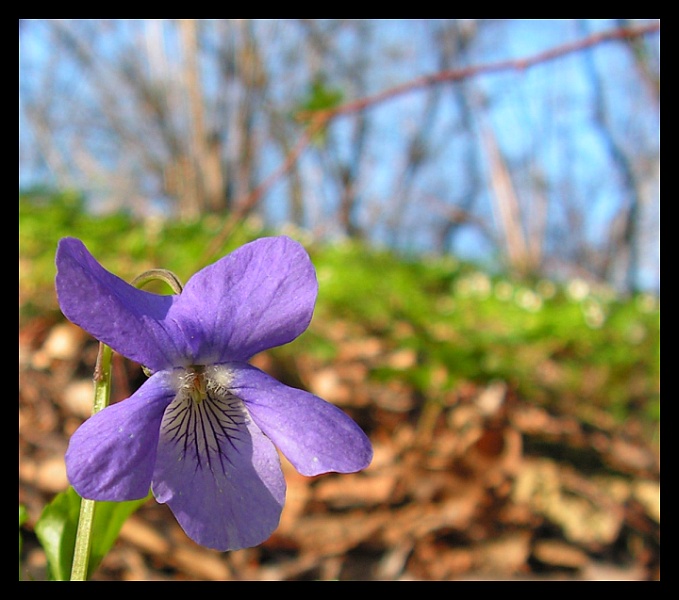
{"x":219,"y":474}
{"x":314,"y":435}
{"x":111,"y":455}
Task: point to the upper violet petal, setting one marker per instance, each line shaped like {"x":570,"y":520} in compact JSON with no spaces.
{"x":314,"y":435}
{"x":111,"y":455}
{"x":218,"y":473}
{"x":259,"y":296}
{"x":133,"y":322}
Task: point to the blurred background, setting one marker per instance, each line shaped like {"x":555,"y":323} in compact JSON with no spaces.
{"x":481,"y":201}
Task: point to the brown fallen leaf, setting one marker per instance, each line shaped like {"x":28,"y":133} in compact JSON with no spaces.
{"x":557,"y":553}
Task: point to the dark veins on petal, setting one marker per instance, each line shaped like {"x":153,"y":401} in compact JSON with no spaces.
{"x":207,"y":429}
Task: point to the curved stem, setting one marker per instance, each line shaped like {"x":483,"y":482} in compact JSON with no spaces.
{"x":164,"y":275}
{"x":83,"y":538}
{"x":102,"y":396}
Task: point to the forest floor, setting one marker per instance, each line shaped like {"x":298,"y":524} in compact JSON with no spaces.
{"x":482,"y":484}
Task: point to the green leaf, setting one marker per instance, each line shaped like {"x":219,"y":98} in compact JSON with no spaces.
{"x":320,"y":96}
{"x":57,"y":526}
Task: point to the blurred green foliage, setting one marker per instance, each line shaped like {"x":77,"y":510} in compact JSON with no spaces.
{"x":123,"y":244}
{"x":572,"y":345}
{"x":321,"y":96}
{"x":569,"y":345}
{"x":318,"y":97}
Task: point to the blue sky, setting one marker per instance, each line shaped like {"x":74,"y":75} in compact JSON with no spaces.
{"x":542,"y":117}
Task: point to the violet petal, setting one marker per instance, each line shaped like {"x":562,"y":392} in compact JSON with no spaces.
{"x":314,"y":435}
{"x":219,"y":474}
{"x":111,"y":455}
{"x":260,"y":296}
{"x":129,"y":320}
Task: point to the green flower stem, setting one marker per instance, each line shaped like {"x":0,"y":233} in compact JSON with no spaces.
{"x":102,"y":396}
{"x":164,"y":275}
{"x":83,"y":538}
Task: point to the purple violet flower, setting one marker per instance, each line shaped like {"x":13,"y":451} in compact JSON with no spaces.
{"x":201,"y":430}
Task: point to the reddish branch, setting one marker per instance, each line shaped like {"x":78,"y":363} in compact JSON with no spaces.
{"x":519,"y":64}
{"x":320,"y":119}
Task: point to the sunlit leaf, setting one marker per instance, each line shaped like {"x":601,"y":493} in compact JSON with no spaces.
{"x":57,"y":526}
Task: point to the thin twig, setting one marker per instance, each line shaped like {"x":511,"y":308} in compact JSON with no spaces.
{"x":319,"y":119}
{"x":244,"y":207}
{"x":517,"y":64}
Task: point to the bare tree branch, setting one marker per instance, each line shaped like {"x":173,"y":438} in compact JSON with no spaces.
{"x":521,"y":64}
{"x":318,"y":120}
